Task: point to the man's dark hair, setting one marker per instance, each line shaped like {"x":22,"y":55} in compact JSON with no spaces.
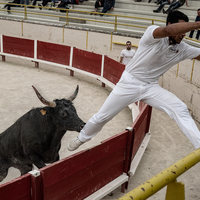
{"x":174,"y":16}
{"x":128,"y":42}
{"x":198,"y":9}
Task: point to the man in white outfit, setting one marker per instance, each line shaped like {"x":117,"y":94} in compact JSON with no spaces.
{"x":159,"y":49}
{"x":127,"y":54}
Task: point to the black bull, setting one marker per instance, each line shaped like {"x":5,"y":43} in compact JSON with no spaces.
{"x":35,"y":138}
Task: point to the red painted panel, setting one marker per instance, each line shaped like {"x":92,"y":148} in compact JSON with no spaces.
{"x":56,"y":53}
{"x":93,"y":185}
{"x":70,"y":173}
{"x":140,"y":128}
{"x":18,"y":46}
{"x":112,"y":70}
{"x":87,"y":61}
{"x":81,"y":160}
{"x":83,"y":176}
{"x":19,"y":188}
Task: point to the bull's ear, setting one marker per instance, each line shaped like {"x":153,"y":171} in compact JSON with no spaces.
{"x":43,"y":111}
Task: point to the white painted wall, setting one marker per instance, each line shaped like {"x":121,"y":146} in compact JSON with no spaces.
{"x":100,"y":43}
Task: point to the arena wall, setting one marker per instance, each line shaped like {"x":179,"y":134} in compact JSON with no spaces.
{"x":177,"y":80}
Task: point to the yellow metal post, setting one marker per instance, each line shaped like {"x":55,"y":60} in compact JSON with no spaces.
{"x":115,"y":29}
{"x":111,"y":39}
{"x":63,"y":33}
{"x":162,"y":179}
{"x":177,"y":70}
{"x":175,"y":191}
{"x":67,"y":17}
{"x":152,"y":22}
{"x":25,"y":12}
{"x":192,"y":70}
{"x":87,"y":40}
{"x":22,"y":26}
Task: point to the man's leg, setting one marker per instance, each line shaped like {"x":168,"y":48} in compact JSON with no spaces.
{"x":191,"y":34}
{"x":125,"y":93}
{"x":164,"y":100}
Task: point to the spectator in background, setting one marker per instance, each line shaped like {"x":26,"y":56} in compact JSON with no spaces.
{"x":22,"y":2}
{"x":162,"y":4}
{"x":176,"y":5}
{"x":63,"y":4}
{"x":8,"y":5}
{"x":98,"y":3}
{"x":108,"y":5}
{"x":198,"y":31}
{"x":127,"y":54}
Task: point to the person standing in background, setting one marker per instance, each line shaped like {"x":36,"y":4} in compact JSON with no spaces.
{"x":127,"y":54}
{"x":198,"y":31}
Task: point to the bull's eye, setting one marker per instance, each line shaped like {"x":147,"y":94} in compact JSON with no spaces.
{"x":63,"y":114}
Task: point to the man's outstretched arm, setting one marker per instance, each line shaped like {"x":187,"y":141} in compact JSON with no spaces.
{"x":175,"y":29}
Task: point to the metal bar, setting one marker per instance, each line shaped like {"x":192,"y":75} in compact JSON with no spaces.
{"x":175,"y":190}
{"x":177,"y":70}
{"x":63,"y":34}
{"x":111,"y":40}
{"x":115,"y":29}
{"x":162,"y":179}
{"x":192,"y":70}
{"x":86,"y":39}
{"x":22,"y":26}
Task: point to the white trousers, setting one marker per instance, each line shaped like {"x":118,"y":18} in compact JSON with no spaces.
{"x":129,"y":90}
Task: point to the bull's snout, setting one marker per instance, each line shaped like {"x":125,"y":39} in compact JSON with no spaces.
{"x":81,"y":126}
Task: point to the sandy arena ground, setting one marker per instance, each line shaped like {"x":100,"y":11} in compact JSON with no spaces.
{"x":167,"y":144}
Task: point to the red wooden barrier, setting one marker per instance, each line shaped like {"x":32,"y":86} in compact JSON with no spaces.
{"x":141,"y":127}
{"x":112,"y":70}
{"x":56,"y":53}
{"x":80,"y":175}
{"x":18,"y":46}
{"x":17,"y":189}
{"x":87,"y":61}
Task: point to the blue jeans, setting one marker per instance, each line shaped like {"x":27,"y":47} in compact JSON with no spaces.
{"x":174,"y":6}
{"x":22,"y":2}
{"x":197,"y":35}
{"x":162,"y":5}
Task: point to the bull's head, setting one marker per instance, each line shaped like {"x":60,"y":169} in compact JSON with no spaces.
{"x":63,"y":112}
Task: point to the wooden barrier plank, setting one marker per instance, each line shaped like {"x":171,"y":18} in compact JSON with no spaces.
{"x":87,"y":61}
{"x":51,"y":52}
{"x":112,"y":70}
{"x":17,"y":189}
{"x":18,"y":46}
{"x":83,"y":159}
{"x":84,"y":166}
{"x":140,"y":128}
{"x":93,"y":185}
{"x":83,"y":176}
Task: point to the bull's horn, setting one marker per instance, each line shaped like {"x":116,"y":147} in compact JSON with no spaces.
{"x":73,"y":96}
{"x":44,"y":101}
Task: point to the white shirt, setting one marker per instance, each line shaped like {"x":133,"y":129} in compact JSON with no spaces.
{"x":155,"y":56}
{"x":127,"y":55}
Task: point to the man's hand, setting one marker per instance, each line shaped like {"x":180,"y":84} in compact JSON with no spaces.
{"x":112,"y":8}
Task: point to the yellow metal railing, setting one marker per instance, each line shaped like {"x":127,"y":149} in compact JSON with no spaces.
{"x":175,"y":191}
{"x":113,"y":21}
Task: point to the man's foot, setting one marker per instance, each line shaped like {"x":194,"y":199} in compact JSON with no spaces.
{"x":156,"y":11}
{"x":74,"y":144}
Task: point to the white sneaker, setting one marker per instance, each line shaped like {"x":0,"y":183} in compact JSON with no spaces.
{"x":74,"y":144}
